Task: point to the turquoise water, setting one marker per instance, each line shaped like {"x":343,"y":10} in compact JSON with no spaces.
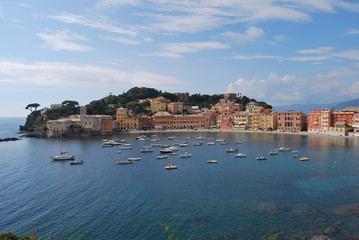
{"x":243,"y":198}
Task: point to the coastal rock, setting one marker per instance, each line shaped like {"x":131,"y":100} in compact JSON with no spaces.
{"x":270,"y":207}
{"x":9,"y":139}
{"x":330,"y":230}
{"x":347,"y":210}
{"x":320,"y":237}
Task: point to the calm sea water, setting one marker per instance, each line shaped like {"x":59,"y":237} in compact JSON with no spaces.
{"x":242,"y":198}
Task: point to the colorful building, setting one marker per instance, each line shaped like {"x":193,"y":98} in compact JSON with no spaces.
{"x":189,"y":121}
{"x":146,"y":123}
{"x":175,"y":107}
{"x":291,"y":121}
{"x":268,"y":120}
{"x":159,"y":104}
{"x":163,"y":120}
{"x":123,"y":122}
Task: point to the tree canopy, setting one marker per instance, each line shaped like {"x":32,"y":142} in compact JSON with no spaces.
{"x":32,"y":105}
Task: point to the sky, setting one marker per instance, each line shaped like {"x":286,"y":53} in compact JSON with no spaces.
{"x":278,"y":51}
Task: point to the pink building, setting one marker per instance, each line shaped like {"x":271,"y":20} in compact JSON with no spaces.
{"x":175,"y":107}
{"x":226,"y":122}
{"x":291,"y":120}
{"x":211,"y":119}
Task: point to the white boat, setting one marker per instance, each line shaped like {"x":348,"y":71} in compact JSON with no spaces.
{"x":284,"y":149}
{"x":126,"y":148}
{"x":304,"y":159}
{"x":186,"y":155}
{"x":62,"y":155}
{"x":231,"y":150}
{"x":155,"y":145}
{"x":274,"y":152}
{"x":238,"y":142}
{"x":106,"y":144}
{"x":128,"y":145}
{"x":166,"y":150}
{"x":170,"y":167}
{"x":134,"y":159}
{"x":200,"y":138}
{"x":162,"y":157}
{"x":224,"y":143}
{"x":220,"y":140}
{"x":146,"y":150}
{"x":172,"y":153}
{"x":212,"y":161}
{"x":183,"y":144}
{"x":240,"y":155}
{"x":124,"y":162}
{"x":76,"y":162}
{"x":118,"y":152}
{"x":294,"y":151}
{"x":165,"y":146}
{"x":261,"y":158}
{"x":211,"y":143}
{"x":174,"y":148}
{"x":197,"y":143}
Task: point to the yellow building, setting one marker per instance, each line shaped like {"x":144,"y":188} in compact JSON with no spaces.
{"x":267,"y":119}
{"x":124,"y":122}
{"x":159,"y":104}
{"x":240,"y":120}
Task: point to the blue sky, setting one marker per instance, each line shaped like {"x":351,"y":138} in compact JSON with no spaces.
{"x":278,"y":51}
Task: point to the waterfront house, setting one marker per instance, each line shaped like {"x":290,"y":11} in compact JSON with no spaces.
{"x":124,"y":122}
{"x":293,"y":121}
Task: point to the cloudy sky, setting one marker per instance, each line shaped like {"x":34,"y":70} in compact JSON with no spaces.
{"x":278,"y":51}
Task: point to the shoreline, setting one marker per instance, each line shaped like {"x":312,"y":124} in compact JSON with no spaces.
{"x":303,"y":133}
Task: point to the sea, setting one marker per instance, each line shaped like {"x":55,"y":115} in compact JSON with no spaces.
{"x":235,"y":198}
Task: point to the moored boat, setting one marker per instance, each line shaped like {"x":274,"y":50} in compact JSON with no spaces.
{"x":231,"y":150}
{"x":76,"y":162}
{"x":162,"y":157}
{"x":134,"y":159}
{"x":186,"y":155}
{"x":261,"y":158}
{"x":171,"y":167}
{"x":166,"y":150}
{"x":240,"y":155}
{"x":211,"y":143}
{"x":124,"y":162}
{"x":304,"y":159}
{"x":212,"y":161}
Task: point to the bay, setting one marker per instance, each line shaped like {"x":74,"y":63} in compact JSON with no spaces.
{"x":239,"y":197}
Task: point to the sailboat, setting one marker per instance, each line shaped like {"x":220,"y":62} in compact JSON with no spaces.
{"x":63,"y":155}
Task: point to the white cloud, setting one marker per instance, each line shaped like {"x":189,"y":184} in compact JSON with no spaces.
{"x":319,"y":50}
{"x":62,"y":40}
{"x":250,"y":34}
{"x":289,"y":89}
{"x":123,"y":40}
{"x":352,"y":32}
{"x":97,"y":24}
{"x":309,"y":58}
{"x":349,"y":54}
{"x":244,"y":57}
{"x":70,"y":75}
{"x":176,"y":50}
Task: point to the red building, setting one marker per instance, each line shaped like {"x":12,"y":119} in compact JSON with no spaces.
{"x":226,"y":122}
{"x":210,"y":119}
{"x":146,"y":123}
{"x":345,"y":117}
{"x":314,"y":120}
{"x":291,"y":120}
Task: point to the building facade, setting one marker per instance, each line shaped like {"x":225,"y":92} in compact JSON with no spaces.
{"x":294,"y":121}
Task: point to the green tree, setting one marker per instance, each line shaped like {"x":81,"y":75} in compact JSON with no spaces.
{"x":32,"y":105}
{"x":171,"y":96}
{"x":70,"y":103}
{"x":265,"y":105}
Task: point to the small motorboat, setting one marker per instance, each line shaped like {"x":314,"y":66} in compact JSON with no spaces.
{"x":241,"y":155}
{"x":220,"y":140}
{"x":304,"y":159}
{"x":162,"y":157}
{"x":231,"y":150}
{"x":224,"y":143}
{"x":211,"y":143}
{"x":166,"y":150}
{"x":76,"y":162}
{"x":197,"y":143}
{"x":126,"y":147}
{"x":170,"y":167}
{"x":284,"y":149}
{"x":146,"y":150}
{"x":261,"y":158}
{"x":183,"y":144}
{"x":134,"y":159}
{"x":124,"y":162}
{"x":212,"y":161}
{"x":274,"y":152}
{"x":186,"y":155}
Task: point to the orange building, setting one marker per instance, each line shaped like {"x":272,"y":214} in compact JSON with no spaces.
{"x":267,"y":119}
{"x":163,"y":120}
{"x":189,"y":121}
{"x":145,"y":123}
